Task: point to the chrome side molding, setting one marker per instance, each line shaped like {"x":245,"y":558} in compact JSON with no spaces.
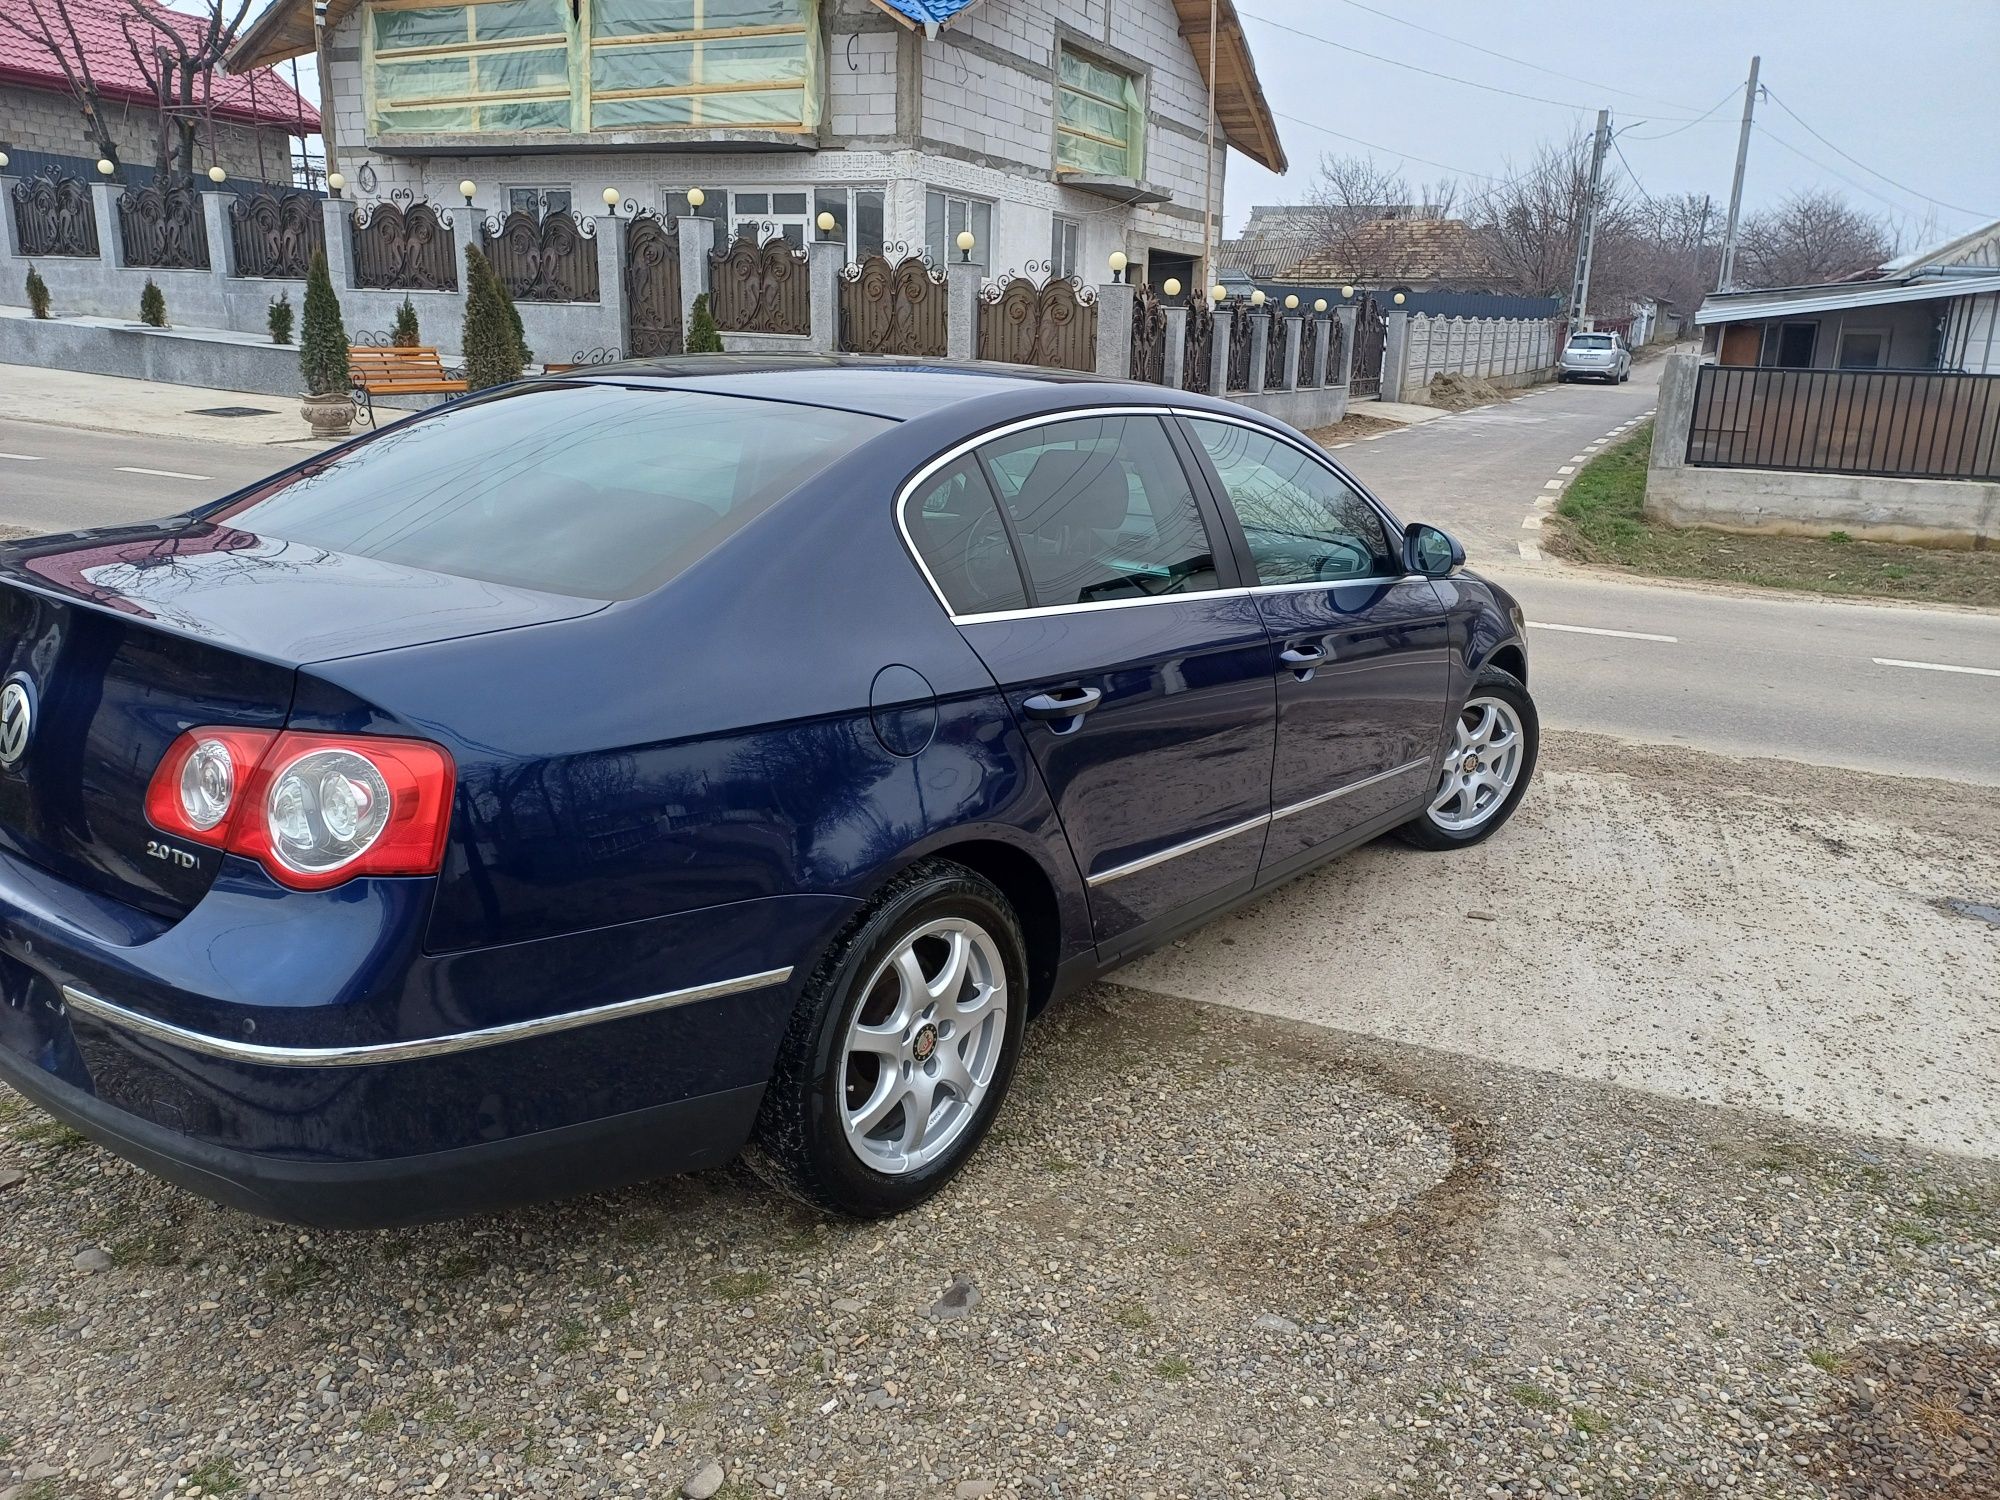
{"x":85,"y":1003}
{"x":1353,"y":786}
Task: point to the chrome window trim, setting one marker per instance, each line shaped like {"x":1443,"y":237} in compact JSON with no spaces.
{"x":1353,"y":786}
{"x":1146,"y":862}
{"x":157,"y":1030}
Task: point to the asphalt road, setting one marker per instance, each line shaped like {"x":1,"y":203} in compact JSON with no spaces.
{"x":1880,"y":688}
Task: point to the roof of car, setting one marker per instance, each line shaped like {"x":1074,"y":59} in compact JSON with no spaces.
{"x":876,"y":385}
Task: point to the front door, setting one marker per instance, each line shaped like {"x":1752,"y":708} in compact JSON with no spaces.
{"x":1080,"y":564}
{"x":1361,"y":648}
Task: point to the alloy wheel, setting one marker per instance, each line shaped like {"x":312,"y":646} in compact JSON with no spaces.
{"x":1481,"y":766}
{"x":924,"y":1045}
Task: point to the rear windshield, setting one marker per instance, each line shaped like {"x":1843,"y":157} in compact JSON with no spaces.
{"x":1591,"y":341}
{"x":597,"y":491}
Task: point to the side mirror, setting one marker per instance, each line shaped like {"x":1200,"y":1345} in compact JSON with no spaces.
{"x":1433,"y":553}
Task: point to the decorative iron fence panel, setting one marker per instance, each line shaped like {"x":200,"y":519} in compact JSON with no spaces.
{"x":1309,"y":352}
{"x":1239,"y":351}
{"x":760,"y":288}
{"x":652,"y":286}
{"x":163,"y":229}
{"x":404,"y":246}
{"x":1371,"y":336}
{"x":275,"y":234}
{"x":55,"y":216}
{"x":1149,"y":337}
{"x":1052,"y":323}
{"x":1336,"y":337}
{"x":1197,"y":356}
{"x":549,"y":257}
{"x":893,"y":303}
{"x":1274,"y":349}
{"x":1905,"y":424}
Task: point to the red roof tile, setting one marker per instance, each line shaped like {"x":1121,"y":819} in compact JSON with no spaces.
{"x":258,"y":98}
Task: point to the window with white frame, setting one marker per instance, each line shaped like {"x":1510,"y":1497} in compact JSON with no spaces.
{"x":1100,"y":120}
{"x":946,"y":216}
{"x":539,"y":201}
{"x":1065,"y":246}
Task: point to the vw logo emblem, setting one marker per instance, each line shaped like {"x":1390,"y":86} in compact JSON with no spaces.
{"x":17,"y":720}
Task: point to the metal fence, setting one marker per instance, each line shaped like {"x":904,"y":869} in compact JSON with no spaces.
{"x":163,"y":228}
{"x":275,"y":233}
{"x":1905,"y":424}
{"x":893,"y":303}
{"x":543,"y":257}
{"x":760,"y":288}
{"x":1027,"y":322}
{"x":55,"y":216}
{"x":403,"y":245}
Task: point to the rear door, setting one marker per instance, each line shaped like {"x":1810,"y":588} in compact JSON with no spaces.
{"x":1361,"y":650}
{"x":1082,"y":562}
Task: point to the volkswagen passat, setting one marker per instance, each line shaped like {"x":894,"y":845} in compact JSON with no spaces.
{"x":586,"y":781}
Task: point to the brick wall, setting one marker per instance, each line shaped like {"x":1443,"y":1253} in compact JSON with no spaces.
{"x":46,"y":120}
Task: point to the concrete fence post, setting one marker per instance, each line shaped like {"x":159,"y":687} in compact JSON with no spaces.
{"x":339,"y":246}
{"x":1175,"y":356}
{"x":221,"y":248}
{"x":1395,"y":351}
{"x":1295,"y":332}
{"x":1675,"y":413}
{"x":1343,"y":372}
{"x":1114,"y":329}
{"x":823,"y":262}
{"x":1260,"y":345}
{"x":697,"y":238}
{"x":961,"y":310}
{"x":10,"y":237}
{"x":1218,"y":352}
{"x":611,"y":283}
{"x":110,"y":244}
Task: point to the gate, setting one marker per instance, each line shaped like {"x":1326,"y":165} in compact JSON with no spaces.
{"x":652,"y":286}
{"x":1371,"y":334}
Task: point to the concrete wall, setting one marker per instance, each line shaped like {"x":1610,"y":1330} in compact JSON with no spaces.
{"x":49,"y":120}
{"x":1504,"y":351}
{"x":1927,"y":512}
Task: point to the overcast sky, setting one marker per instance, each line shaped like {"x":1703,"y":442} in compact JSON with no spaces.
{"x":1909,"y":91}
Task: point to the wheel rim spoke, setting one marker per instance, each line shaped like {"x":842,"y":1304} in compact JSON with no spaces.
{"x":1482,"y":768}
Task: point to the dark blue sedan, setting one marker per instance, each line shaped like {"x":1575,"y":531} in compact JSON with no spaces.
{"x":594,"y":779}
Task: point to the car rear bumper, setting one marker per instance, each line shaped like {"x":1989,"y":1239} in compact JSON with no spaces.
{"x":299,"y":1056}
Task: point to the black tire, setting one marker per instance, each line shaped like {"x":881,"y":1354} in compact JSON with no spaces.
{"x":1424,"y":832}
{"x":801,"y":1146}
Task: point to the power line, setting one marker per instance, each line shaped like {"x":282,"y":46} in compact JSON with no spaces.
{"x":1491,"y":88}
{"x":1696,"y":120}
{"x":1905,"y":187}
{"x":1341,"y":135}
{"x":1859,"y":187}
{"x":1509,"y":57}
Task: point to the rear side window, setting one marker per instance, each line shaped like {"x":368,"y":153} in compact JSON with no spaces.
{"x":1102,"y":510}
{"x":597,"y":491}
{"x":958,"y":532}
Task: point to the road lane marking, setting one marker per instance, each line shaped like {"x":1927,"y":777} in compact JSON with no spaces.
{"x":1623,"y":635}
{"x":1343,"y":445}
{"x":1567,"y":469}
{"x":1532,"y":523}
{"x":1936,"y":666}
{"x":1530,"y":552}
{"x":166,"y":474}
{"x":1553,"y":484}
{"x":23,"y":458}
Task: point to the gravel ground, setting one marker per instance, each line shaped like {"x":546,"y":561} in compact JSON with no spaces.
{"x":1209,"y":1252}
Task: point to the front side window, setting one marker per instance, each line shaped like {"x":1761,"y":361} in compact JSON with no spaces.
{"x":945,"y":214}
{"x":1102,"y":510}
{"x":1304,"y":523}
{"x":1100,"y":123}
{"x":599,"y":492}
{"x":487,"y":65}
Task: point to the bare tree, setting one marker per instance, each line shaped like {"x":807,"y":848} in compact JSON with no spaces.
{"x":47,"y":25}
{"x":1528,"y":223}
{"x":179,"y":64}
{"x":1810,"y":237}
{"x":1355,"y":229}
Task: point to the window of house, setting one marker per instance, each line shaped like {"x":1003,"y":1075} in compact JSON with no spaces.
{"x":763,"y":215}
{"x":1303,"y":522}
{"x":701,"y":62}
{"x":1100,"y":122}
{"x":1102,"y":510}
{"x":1864,"y":348}
{"x":1065,"y":246}
{"x":945,"y":215}
{"x":857,"y":219}
{"x":539,"y":201}
{"x":479,"y":66}
{"x":1790,"y":346}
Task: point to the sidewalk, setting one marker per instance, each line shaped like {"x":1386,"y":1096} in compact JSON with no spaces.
{"x":110,"y":403}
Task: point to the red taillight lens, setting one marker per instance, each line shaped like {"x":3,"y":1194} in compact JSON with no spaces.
{"x":313,"y":809}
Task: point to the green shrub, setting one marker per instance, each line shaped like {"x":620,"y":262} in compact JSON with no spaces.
{"x":323,"y":344}
{"x":406,"y":334}
{"x":493,"y":354}
{"x":513,"y":318}
{"x":702,"y":337}
{"x":153,"y":305}
{"x":281,"y":318}
{"x":38,"y":293}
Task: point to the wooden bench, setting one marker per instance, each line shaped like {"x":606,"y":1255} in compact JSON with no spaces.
{"x":416,"y":371}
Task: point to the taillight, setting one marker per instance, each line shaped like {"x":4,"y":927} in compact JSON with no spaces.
{"x":313,"y":809}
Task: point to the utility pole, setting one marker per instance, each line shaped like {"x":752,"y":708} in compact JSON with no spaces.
{"x":1736,"y":188}
{"x":1586,"y":233}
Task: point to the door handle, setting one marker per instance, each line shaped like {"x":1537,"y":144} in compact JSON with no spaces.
{"x":1302,"y":658}
{"x":1074,"y":704}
